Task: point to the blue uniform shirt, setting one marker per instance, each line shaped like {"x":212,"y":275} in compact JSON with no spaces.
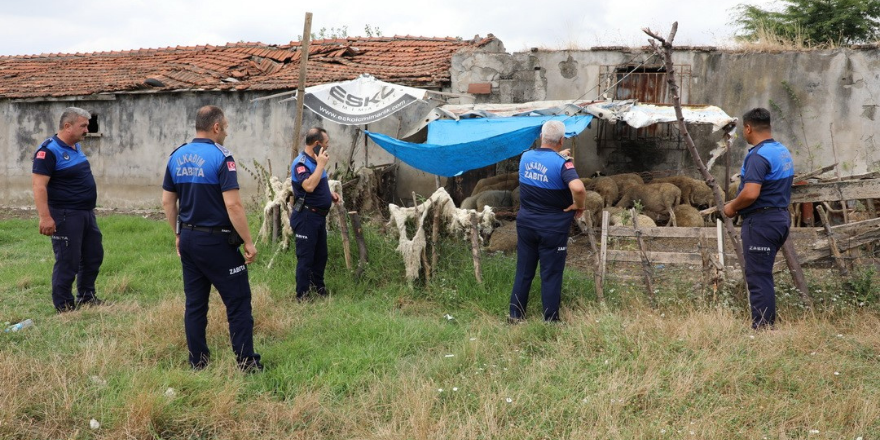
{"x":544,"y":194}
{"x":71,"y":183}
{"x":302,"y":168}
{"x":768,"y":164}
{"x":200,"y":172}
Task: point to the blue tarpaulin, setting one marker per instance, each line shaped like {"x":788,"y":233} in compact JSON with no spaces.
{"x":454,"y":147}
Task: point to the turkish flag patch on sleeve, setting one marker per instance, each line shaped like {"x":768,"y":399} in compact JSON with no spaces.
{"x":230,"y":166}
{"x":569,"y":165}
{"x":41,"y":154}
{"x":300,"y":169}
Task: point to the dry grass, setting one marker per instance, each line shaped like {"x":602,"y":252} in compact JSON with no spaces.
{"x":370,"y":363}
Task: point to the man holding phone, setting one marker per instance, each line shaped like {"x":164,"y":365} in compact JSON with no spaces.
{"x":308,"y":219}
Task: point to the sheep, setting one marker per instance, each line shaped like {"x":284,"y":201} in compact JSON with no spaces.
{"x":506,"y":185}
{"x":469,"y":203}
{"x":655,"y":197}
{"x":624,"y":181}
{"x":623,"y":218}
{"x":593,"y":205}
{"x":688,"y":216}
{"x":607,"y":188}
{"x":693,"y":192}
{"x":495,"y":199}
{"x":515,"y":196}
{"x":503,"y":238}
{"x":507,"y":177}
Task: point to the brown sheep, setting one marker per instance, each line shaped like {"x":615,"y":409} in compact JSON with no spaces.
{"x":507,"y":185}
{"x":655,"y":197}
{"x":687,"y":216}
{"x":515,"y":195}
{"x":607,"y":188}
{"x":693,"y":192}
{"x":503,"y":239}
{"x":625,"y":181}
{"x":508,"y":177}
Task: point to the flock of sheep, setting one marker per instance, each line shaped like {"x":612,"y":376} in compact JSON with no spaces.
{"x":674,"y":201}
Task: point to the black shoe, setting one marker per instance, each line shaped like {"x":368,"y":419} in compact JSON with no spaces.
{"x":251,"y":366}
{"x":69,"y":307}
{"x":90,"y":301}
{"x":515,"y":321}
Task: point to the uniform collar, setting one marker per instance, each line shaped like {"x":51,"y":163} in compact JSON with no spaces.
{"x":63,"y":144}
{"x":765,"y":141}
{"x":309,"y":158}
{"x":202,"y":141}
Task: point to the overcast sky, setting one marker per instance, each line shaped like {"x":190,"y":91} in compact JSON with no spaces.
{"x":43,"y":26}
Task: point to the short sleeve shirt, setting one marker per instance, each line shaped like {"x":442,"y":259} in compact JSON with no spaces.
{"x":200,"y":172}
{"x":71,"y":183}
{"x":769,"y":164}
{"x":544,"y":176}
{"x":303,"y":167}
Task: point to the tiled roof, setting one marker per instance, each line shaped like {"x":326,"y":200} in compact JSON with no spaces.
{"x":406,"y":60}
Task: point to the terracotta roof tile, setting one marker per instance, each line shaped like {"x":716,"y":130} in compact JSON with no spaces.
{"x":412,"y":61}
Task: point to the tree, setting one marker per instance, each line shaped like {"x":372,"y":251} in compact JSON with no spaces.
{"x":812,"y":22}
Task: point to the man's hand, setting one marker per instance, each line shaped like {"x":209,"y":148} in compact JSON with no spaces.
{"x":574,"y":207}
{"x":250,"y":253}
{"x":728,"y":211}
{"x":335,"y":197}
{"x":47,"y":225}
{"x":323,"y":158}
{"x":177,"y":244}
{"x":566,"y":152}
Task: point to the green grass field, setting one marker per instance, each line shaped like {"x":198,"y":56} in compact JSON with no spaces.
{"x":384,"y":360}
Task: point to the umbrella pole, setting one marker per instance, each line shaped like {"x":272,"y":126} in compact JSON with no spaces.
{"x":366,"y":157}
{"x":300,"y":88}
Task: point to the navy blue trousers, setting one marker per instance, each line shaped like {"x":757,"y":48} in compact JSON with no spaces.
{"x":550,"y":249}
{"x":763,"y":233}
{"x":310,"y":230}
{"x":208,"y":259}
{"x":78,"y":254}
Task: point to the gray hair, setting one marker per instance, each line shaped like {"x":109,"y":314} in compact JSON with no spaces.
{"x":71,"y":114}
{"x":552,"y":132}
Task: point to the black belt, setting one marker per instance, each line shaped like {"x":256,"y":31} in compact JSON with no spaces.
{"x":763,"y":210}
{"x":319,"y":211}
{"x":208,"y":229}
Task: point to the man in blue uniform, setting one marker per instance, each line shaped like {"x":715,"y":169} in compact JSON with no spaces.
{"x":308,"y":218}
{"x":764,"y":195}
{"x":550,"y":195}
{"x":210,"y":224}
{"x":65,"y":194}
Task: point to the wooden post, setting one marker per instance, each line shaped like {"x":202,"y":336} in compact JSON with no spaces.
{"x":435,"y":233}
{"x":475,"y":248}
{"x":832,"y":242}
{"x":301,"y":86}
{"x":800,"y":282}
{"x":366,"y":156}
{"x":646,"y":264}
{"x":837,"y":172}
{"x":275,"y":212}
{"x":604,"y":249}
{"x":587,"y":228}
{"x":666,"y":52}
{"x":343,"y":229}
{"x":362,"y":246}
{"x":419,"y":225}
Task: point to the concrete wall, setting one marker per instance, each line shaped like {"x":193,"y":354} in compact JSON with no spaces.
{"x":138,"y":132}
{"x":813,"y":97}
